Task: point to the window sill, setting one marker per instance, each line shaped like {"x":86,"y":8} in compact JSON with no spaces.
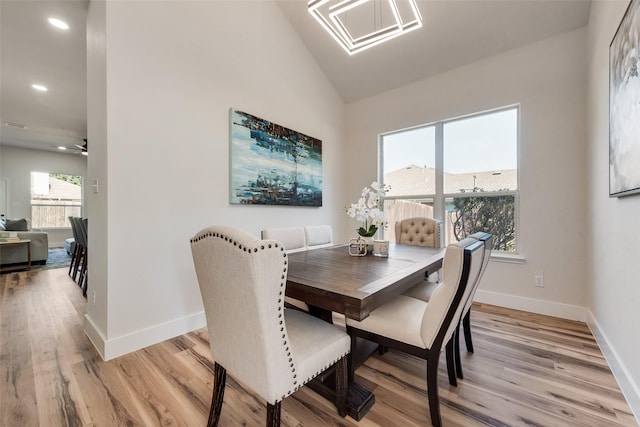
{"x":46,"y":229}
{"x":508,"y":258}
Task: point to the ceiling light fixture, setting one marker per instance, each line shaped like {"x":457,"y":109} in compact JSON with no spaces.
{"x":39,"y":87}
{"x":15,"y":125}
{"x":62,"y":148}
{"x":356,"y":33}
{"x":58,"y":23}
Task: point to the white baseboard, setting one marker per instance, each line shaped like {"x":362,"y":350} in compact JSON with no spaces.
{"x":532,"y":305}
{"x":124,"y":344}
{"x":95,"y":335}
{"x":630,"y":389}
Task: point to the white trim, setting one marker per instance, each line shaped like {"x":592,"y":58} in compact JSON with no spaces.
{"x":7,"y":204}
{"x":95,"y":335}
{"x":533,"y":305}
{"x":115,"y":347}
{"x":507,"y":257}
{"x":630,"y":389}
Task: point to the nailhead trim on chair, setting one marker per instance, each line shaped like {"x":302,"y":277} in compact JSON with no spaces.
{"x":236,"y":244}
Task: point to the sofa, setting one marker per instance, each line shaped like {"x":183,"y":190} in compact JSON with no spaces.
{"x":18,"y":254}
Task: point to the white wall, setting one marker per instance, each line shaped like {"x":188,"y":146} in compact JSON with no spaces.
{"x":16,"y":164}
{"x":614,"y":291}
{"x":548,"y":80}
{"x":163,"y":168}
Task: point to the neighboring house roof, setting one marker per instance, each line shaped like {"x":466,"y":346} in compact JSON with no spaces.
{"x":61,"y":190}
{"x":421,"y":180}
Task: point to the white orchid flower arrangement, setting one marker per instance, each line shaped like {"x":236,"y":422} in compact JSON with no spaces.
{"x":367,"y":209}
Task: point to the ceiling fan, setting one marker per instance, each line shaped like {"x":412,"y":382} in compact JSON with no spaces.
{"x":76,"y":148}
{"x":83,"y":147}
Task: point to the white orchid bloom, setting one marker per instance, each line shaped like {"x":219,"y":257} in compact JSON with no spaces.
{"x":367,"y":209}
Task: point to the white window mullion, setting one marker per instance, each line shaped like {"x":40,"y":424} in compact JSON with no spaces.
{"x":439,"y":199}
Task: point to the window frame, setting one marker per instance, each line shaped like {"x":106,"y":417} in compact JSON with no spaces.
{"x":440,"y":196}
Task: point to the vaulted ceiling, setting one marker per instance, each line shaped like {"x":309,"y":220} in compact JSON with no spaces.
{"x":455,"y":33}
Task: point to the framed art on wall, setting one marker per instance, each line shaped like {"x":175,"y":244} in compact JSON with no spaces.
{"x":624,"y":105}
{"x":273,"y":165}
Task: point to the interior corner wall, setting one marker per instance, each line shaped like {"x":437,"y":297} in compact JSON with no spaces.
{"x":96,"y":317}
{"x":169,"y":86}
{"x":613,"y":292}
{"x":548,"y":80}
{"x":16,"y":165}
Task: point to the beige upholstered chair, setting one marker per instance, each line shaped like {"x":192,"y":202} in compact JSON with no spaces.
{"x":419,"y":231}
{"x":423,"y":329}
{"x":487,"y":239}
{"x":272,"y":350}
{"x":424,"y":290}
{"x":292,"y":238}
{"x":318,"y":236}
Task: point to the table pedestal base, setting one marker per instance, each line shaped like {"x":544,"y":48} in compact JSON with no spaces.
{"x":359,"y":398}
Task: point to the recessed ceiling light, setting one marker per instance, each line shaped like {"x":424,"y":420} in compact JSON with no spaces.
{"x":41,"y":88}
{"x":62,"y":148}
{"x":15,"y":125}
{"x":58,"y":23}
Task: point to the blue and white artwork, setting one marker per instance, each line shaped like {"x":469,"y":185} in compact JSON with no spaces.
{"x":273,"y":165}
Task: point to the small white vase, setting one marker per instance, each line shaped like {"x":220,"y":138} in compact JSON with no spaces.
{"x":361,"y":246}
{"x":369,"y":243}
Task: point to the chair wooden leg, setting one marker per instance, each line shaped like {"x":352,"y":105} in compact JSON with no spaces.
{"x":73,"y":258}
{"x":76,"y":267}
{"x":451,"y":369}
{"x":82,"y":281}
{"x":432,"y":387}
{"x":466,"y":325}
{"x":456,"y":352}
{"x":273,"y":415}
{"x":341,"y":386}
{"x":220,"y":379}
{"x":85,"y":283}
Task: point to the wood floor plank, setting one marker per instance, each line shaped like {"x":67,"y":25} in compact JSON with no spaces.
{"x":18,"y":405}
{"x":527,"y":370}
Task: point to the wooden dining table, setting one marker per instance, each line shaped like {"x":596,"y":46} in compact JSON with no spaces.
{"x":330,"y":280}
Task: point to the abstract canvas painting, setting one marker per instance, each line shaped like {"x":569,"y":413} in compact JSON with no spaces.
{"x":624,"y":105}
{"x":273,"y":165}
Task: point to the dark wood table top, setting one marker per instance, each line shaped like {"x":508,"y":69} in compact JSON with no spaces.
{"x":330,"y":279}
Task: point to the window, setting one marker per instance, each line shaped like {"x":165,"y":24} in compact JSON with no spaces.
{"x":54,"y":198}
{"x":462,"y":171}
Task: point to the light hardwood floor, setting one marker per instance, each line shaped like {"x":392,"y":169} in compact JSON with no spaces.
{"x":527,"y":370}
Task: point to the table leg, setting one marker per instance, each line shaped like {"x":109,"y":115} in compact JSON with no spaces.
{"x":359,"y":398}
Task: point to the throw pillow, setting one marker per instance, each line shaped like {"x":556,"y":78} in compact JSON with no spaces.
{"x":16,"y":225}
